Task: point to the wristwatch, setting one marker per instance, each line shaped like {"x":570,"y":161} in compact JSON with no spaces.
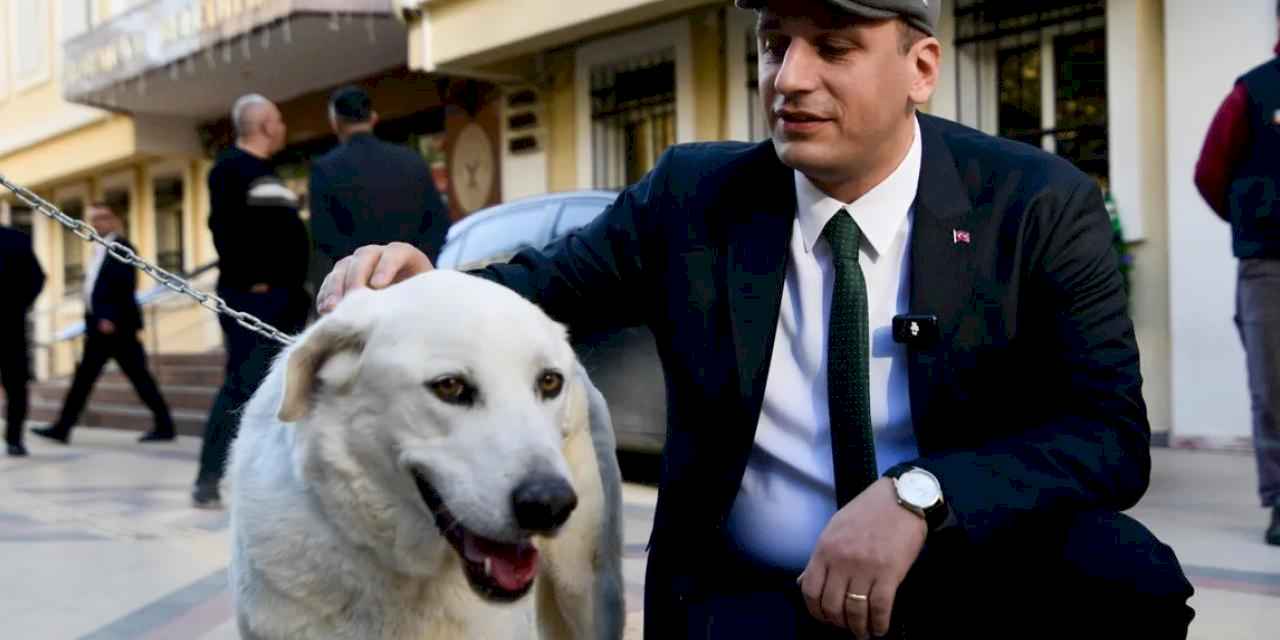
{"x":920,"y":493}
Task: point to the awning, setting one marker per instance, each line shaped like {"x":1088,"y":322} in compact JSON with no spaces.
{"x":461,"y":36}
{"x":195,"y":57}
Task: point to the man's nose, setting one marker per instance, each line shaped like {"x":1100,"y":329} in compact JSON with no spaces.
{"x":797,"y":73}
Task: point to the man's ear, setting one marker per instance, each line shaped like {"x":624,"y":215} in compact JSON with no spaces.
{"x":326,"y":356}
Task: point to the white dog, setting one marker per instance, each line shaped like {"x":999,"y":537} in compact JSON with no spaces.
{"x":428,"y":461}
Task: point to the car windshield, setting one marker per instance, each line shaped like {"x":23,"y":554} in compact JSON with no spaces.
{"x":507,"y":232}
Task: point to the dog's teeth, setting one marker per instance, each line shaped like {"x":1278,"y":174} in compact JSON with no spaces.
{"x":488,"y":567}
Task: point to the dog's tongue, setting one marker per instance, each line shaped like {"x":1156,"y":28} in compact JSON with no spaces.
{"x":512,"y":566}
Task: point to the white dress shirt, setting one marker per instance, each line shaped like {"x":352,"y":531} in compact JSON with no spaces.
{"x":788,"y":492}
{"x":95,"y":267}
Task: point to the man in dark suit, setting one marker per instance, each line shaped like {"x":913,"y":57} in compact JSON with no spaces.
{"x":112,"y":321}
{"x":24,"y":279}
{"x":903,"y":389}
{"x":367,"y":191}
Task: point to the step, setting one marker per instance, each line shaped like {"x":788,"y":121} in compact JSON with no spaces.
{"x":209,"y":359}
{"x":171,"y":375}
{"x":187,"y":422}
{"x":197,"y":398}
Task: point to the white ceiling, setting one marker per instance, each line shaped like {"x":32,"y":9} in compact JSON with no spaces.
{"x":322,"y":52}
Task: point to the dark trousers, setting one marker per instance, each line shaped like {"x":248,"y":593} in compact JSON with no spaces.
{"x":1258,"y":319}
{"x":15,"y":371}
{"x":123,"y":347}
{"x":1094,"y":575}
{"x":249,"y":358}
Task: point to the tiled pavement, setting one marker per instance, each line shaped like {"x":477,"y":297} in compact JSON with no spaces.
{"x":97,"y":541}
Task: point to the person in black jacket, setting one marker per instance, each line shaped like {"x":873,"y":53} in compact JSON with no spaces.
{"x":112,"y":321}
{"x":24,"y":279}
{"x":367,"y":191}
{"x":903,"y":388}
{"x":263,"y":255}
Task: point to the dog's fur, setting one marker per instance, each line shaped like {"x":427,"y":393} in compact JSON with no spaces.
{"x":331,"y":538}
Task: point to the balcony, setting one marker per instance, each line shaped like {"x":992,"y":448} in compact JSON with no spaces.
{"x":192,"y":58}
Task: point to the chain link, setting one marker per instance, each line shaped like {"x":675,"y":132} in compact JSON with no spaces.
{"x":127,"y":256}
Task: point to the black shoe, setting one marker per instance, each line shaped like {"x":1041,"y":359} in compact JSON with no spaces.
{"x":1273,"y":532}
{"x":17,"y":450}
{"x":206,"y":498}
{"x":158,"y":435}
{"x":53,"y":433}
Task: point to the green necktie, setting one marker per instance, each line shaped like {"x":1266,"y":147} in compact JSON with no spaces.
{"x":853,"y":446}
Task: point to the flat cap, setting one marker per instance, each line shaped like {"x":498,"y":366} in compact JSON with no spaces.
{"x":921,"y":14}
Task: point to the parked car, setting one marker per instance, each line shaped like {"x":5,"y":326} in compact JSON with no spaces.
{"x":624,"y":364}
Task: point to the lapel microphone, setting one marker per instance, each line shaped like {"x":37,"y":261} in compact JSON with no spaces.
{"x":917,"y":331}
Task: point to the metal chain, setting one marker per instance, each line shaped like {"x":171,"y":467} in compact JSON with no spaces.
{"x":127,"y":256}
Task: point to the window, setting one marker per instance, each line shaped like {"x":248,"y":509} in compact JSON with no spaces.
{"x":633,"y":117}
{"x":508,"y":232}
{"x":29,"y":35}
{"x":120,"y":200}
{"x":1020,"y":88}
{"x":1080,"y":100}
{"x":76,"y":16}
{"x":72,"y":249}
{"x":578,"y":214}
{"x":635,"y":97}
{"x":168,"y":198}
{"x":1037,"y":73}
{"x":21,"y":217}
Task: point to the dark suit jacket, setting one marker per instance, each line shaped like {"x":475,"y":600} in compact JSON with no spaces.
{"x":21,"y":274}
{"x":1029,"y":403}
{"x":371,"y":192}
{"x":114,"y":296}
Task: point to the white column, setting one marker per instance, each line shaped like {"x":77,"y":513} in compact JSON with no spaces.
{"x":1207,"y":46}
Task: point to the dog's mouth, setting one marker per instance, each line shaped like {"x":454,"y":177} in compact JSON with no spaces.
{"x":497,"y":571}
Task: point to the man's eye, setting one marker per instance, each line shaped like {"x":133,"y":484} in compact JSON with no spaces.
{"x":773,"y":47}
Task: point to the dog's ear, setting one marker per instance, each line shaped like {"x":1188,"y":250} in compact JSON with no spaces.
{"x":327,"y":354}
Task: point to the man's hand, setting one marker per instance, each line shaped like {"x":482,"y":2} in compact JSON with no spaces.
{"x":372,"y":266}
{"x":106,"y":327}
{"x":865,"y":550}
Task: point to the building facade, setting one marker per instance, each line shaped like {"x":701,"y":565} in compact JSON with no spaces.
{"x":126,"y":101}
{"x":1125,"y":89}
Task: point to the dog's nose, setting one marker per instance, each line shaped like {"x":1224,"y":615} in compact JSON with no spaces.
{"x":542,"y":503}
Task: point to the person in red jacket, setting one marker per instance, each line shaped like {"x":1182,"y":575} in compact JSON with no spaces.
{"x":1238,"y":174}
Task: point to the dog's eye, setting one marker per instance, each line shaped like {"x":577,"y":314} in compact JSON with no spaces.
{"x":550,"y":384}
{"x":452,"y":389}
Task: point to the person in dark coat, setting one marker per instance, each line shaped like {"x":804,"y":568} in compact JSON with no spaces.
{"x":24,"y":279}
{"x":367,"y":191}
{"x":263,"y":255}
{"x":112,"y":321}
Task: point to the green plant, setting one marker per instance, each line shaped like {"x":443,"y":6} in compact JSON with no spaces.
{"x":1118,"y":241}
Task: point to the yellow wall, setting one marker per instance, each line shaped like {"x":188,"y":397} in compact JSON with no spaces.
{"x":709,"y":74}
{"x":477,"y":32}
{"x":562,"y":146}
{"x":39,"y":109}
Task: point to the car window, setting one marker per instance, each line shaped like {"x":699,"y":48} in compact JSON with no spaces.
{"x":578,"y":213}
{"x":507,"y":232}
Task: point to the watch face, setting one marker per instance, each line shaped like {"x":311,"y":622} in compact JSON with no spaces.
{"x":918,"y":489}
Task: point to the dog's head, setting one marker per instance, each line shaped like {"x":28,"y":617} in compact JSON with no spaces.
{"x":433,"y":413}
